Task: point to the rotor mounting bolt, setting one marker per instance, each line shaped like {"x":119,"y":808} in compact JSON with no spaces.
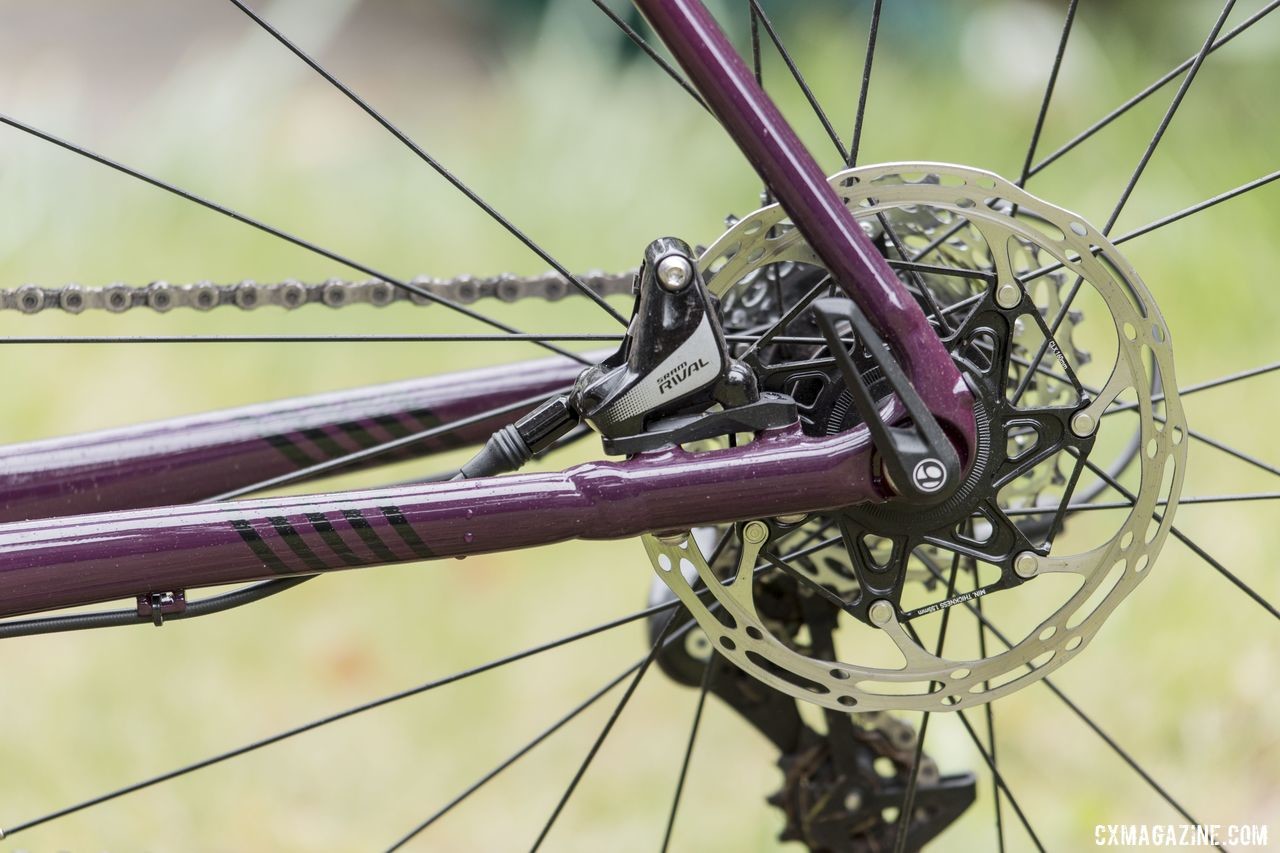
{"x":880,"y":613}
{"x":1026,"y":565}
{"x":852,"y":801}
{"x":755,"y":532}
{"x":1008,"y":295}
{"x":1083,"y":424}
{"x":674,"y":273}
{"x":794,"y":518}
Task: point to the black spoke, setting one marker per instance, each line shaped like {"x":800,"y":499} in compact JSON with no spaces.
{"x":1196,"y":208}
{"x":1132,"y":183}
{"x":1202,"y":386}
{"x":909,"y":799}
{"x":1048,"y":91}
{"x":435,"y":164}
{"x":989,"y":712}
{"x":639,"y":41}
{"x":788,"y":317}
{"x":340,"y":715}
{"x":1192,"y":501}
{"x":707,"y":675}
{"x":868,"y":59}
{"x":1186,"y":540}
{"x":608,"y":727}
{"x":1150,"y":90}
{"x":1158,"y":136}
{"x":1085,"y":718}
{"x":273,"y":231}
{"x":999,"y":780}
{"x":799,"y":77}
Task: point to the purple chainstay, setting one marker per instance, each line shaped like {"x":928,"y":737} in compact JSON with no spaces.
{"x":64,"y":561}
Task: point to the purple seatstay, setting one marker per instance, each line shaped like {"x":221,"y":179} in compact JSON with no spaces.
{"x":66,"y":561}
{"x":186,"y":459}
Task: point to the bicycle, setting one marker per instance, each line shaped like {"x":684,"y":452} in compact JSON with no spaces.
{"x":881,"y":373}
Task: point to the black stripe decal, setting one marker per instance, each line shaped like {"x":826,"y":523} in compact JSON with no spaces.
{"x":260,"y":549}
{"x":333,"y":539}
{"x":429,"y":420}
{"x":358,"y":434}
{"x":369,"y":535}
{"x":410,"y":536}
{"x":393,"y":425}
{"x":296,"y":543}
{"x":291,"y":451}
{"x":325,"y":442}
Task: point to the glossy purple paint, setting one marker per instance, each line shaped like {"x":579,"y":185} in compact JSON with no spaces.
{"x":54,"y":563}
{"x":182,"y":460}
{"x":789,"y":170}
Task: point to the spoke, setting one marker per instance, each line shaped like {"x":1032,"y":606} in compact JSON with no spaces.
{"x":1128,"y":759}
{"x":1168,"y":117}
{"x":1000,"y":783}
{"x":435,"y":164}
{"x":514,"y":757}
{"x":340,"y":715}
{"x":991,"y":719}
{"x":1149,"y":90}
{"x":804,"y":580}
{"x":868,"y":59}
{"x":1203,"y":386}
{"x":1048,"y":91}
{"x":1087,"y":720}
{"x":653,"y":54}
{"x":1196,"y":208}
{"x":1131,"y":185}
{"x":909,"y":800}
{"x":1192,"y":501}
{"x":380,"y":449}
{"x":799,"y":77}
{"x":273,"y":231}
{"x":707,"y":675}
{"x":787,"y":318}
{"x":1186,"y":540}
{"x":608,"y":727}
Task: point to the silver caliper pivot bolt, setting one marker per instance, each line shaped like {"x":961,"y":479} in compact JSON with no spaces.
{"x":1008,"y":295}
{"x":674,"y":272}
{"x":1083,"y":424}
{"x":1026,"y":565}
{"x":880,"y":612}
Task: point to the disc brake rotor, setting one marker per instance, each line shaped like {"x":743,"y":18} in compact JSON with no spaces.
{"x":1037,"y":426}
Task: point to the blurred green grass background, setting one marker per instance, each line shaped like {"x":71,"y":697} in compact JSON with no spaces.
{"x":594,"y":153}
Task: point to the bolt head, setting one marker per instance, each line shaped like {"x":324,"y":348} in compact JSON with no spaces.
{"x":852,"y":801}
{"x":674,"y":273}
{"x":792,"y":519}
{"x":1026,"y":565}
{"x":1083,"y":424}
{"x":1008,"y":295}
{"x":880,"y":612}
{"x":756,"y":532}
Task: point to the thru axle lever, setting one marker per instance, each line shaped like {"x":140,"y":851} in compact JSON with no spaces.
{"x":917,"y":458}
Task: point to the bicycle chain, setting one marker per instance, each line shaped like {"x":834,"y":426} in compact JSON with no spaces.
{"x":161,"y":296}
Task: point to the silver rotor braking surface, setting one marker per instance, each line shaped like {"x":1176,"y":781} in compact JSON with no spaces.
{"x":1024,"y":241}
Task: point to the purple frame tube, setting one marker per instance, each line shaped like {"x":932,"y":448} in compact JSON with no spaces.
{"x":62,"y":562}
{"x":182,"y":460}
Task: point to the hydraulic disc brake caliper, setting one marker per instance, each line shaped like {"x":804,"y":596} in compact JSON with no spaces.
{"x":671,"y":381}
{"x":663,"y":385}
